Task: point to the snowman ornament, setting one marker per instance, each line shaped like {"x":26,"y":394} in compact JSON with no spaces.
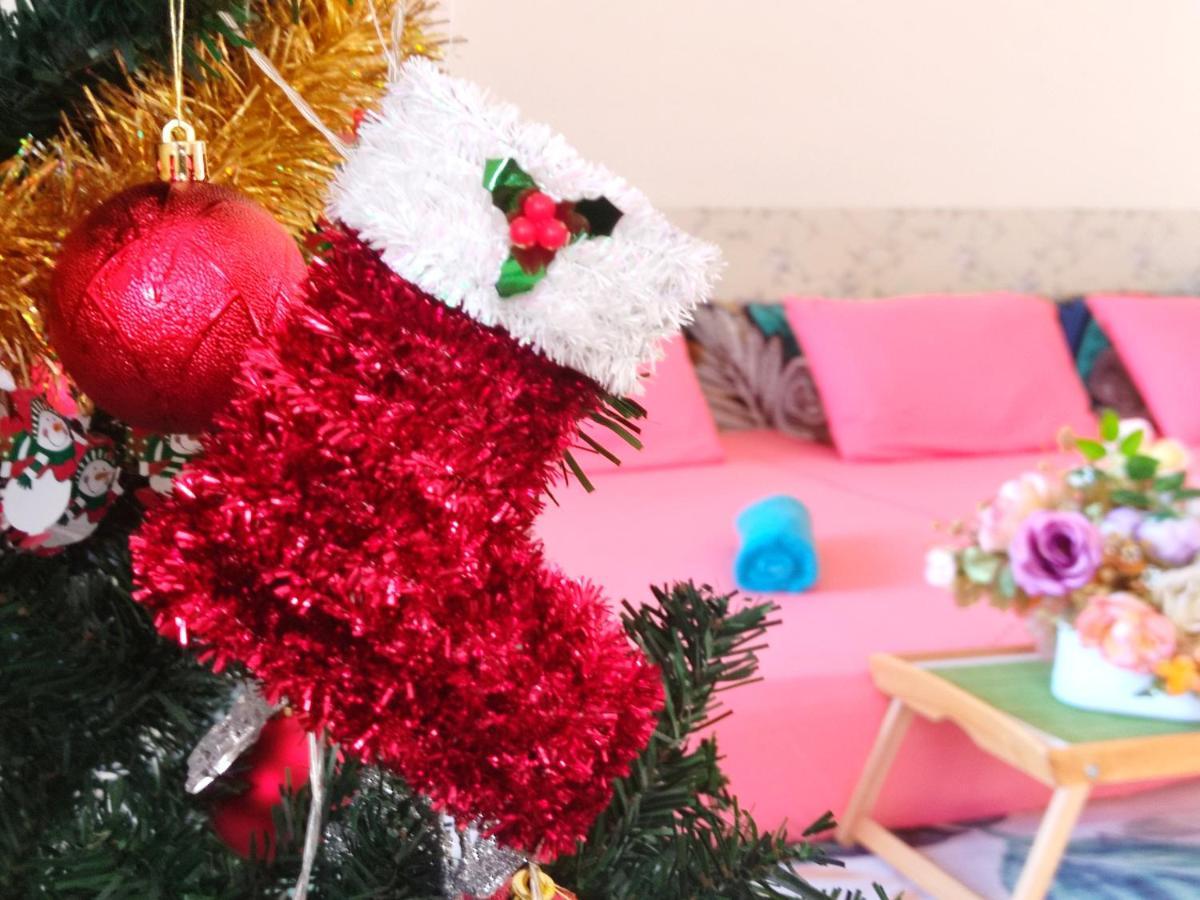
{"x":43,"y":453}
{"x":162,"y":457}
{"x":96,"y":487}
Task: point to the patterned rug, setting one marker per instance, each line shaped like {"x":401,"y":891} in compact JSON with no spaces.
{"x":1140,"y":847}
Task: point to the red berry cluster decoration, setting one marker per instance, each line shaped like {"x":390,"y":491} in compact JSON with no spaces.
{"x":538,"y":224}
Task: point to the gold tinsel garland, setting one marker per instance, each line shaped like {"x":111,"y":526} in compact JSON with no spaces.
{"x":257,"y":141}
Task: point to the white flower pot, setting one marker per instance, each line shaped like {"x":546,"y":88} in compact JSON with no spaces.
{"x":1082,"y":677}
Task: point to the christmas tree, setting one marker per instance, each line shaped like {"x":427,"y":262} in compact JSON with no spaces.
{"x":104,"y":720}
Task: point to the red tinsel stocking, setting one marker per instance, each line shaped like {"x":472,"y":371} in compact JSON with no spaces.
{"x":359,"y":535}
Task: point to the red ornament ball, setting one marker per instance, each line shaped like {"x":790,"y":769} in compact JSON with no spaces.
{"x":538,"y":206}
{"x":278,"y":757}
{"x":552,"y":234}
{"x":157,"y":294}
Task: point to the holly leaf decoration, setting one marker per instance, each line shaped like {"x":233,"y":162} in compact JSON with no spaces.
{"x":602,"y":216}
{"x":507,"y":182}
{"x":576,"y":222}
{"x":515,"y":280}
{"x":533,"y":259}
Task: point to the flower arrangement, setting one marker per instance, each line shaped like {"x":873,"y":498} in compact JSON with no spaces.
{"x":1110,"y":547}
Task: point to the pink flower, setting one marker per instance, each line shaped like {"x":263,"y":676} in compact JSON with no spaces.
{"x":1000,"y":519}
{"x":1129,"y":632}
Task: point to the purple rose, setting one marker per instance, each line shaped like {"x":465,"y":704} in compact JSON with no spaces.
{"x":1053,"y":553}
{"x":1172,"y":542}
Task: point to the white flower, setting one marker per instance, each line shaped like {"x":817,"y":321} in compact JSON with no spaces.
{"x":1172,"y":456}
{"x":941,"y":567}
{"x":1172,"y":541}
{"x":1177,"y":593}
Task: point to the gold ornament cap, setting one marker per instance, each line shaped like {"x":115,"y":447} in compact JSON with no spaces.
{"x":531,"y":883}
{"x":181,"y":160}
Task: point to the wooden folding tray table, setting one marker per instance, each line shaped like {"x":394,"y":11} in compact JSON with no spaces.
{"x":1002,"y":700}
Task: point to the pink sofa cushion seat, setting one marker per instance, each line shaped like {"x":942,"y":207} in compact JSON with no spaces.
{"x":940,"y":375}
{"x":1157,"y":340}
{"x":678,"y":429}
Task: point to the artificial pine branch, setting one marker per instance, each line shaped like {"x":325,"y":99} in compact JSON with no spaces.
{"x":52,"y":50}
{"x":673,"y":828}
{"x":95,"y":712}
{"x":97,"y":717}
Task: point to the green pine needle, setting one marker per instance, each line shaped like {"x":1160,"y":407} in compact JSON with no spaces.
{"x":51,"y":50}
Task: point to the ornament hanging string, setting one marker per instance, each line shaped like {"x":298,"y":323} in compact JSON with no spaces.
{"x":307,"y":112}
{"x":179,"y":160}
{"x":316,"y":807}
{"x":175,"y":10}
{"x":390,"y":49}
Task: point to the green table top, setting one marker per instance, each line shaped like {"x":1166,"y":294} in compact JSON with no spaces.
{"x":1021,"y":688}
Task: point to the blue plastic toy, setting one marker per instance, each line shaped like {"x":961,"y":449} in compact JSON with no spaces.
{"x":777,"y":553}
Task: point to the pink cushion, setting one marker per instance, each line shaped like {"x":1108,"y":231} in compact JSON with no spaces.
{"x":941,"y":375}
{"x":678,"y":429}
{"x":1156,"y":338}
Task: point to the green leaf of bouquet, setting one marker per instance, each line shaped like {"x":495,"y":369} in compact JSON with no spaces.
{"x":1171,"y":482}
{"x":1135,"y":499}
{"x":1093,"y":450}
{"x":979,"y":566}
{"x":1141,"y":468}
{"x":1188,"y":494}
{"x":1006,"y":584}
{"x":1110,"y":425}
{"x":1132,"y":443}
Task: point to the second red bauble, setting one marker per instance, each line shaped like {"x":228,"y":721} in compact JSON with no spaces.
{"x":158,"y":293}
{"x":246,"y":820}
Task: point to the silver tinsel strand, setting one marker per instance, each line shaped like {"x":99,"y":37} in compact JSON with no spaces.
{"x":229,"y":738}
{"x":473,"y":864}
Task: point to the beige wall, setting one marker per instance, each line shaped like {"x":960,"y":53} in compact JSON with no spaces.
{"x":861,"y":103}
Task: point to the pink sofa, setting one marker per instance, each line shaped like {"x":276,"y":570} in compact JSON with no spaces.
{"x":797,"y":740}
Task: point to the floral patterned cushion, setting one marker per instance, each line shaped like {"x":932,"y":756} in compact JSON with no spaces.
{"x":753,"y":372}
{"x":1108,"y":382}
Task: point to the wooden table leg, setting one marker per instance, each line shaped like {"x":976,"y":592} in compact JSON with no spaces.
{"x":1050,"y":842}
{"x":879,"y":762}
